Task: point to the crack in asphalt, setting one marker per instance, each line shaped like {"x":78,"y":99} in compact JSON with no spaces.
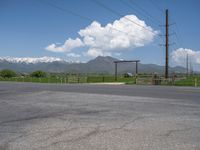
{"x":170,"y":132}
{"x":25,"y":119}
{"x":6,"y":144}
{"x":94,"y":132}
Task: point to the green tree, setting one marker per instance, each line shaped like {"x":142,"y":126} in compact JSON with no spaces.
{"x":38,"y":74}
{"x":6,"y":73}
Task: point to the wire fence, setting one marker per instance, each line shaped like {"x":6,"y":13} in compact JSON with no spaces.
{"x":173,"y":80}
{"x":70,"y":79}
{"x":139,"y":80}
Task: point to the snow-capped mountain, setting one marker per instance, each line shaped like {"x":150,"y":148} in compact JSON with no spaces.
{"x":98,"y":65}
{"x":31,"y":60}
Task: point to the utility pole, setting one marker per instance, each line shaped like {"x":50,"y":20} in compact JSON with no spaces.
{"x":187,"y":66}
{"x":136,"y":68}
{"x":166,"y":45}
{"x":115,"y":71}
{"x":191,"y":68}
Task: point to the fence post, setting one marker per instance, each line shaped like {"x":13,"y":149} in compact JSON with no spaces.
{"x":103,"y":79}
{"x":195,"y":84}
{"x":173,"y":80}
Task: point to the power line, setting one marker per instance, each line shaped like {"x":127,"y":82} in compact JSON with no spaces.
{"x":81,"y":16}
{"x":177,"y":33}
{"x":143,"y":10}
{"x":119,"y":14}
{"x":146,"y":14}
{"x":177,"y":38}
{"x":143,"y":14}
{"x":157,"y":6}
{"x":65,"y":10}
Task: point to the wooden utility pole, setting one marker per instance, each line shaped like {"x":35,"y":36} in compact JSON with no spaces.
{"x":187,"y":66}
{"x":115,"y":71}
{"x":166,"y":45}
{"x":136,"y":68}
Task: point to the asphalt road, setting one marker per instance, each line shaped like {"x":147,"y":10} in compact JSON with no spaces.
{"x":98,"y":117}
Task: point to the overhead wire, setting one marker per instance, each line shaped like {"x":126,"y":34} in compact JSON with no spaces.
{"x":146,"y":12}
{"x":155,"y":21}
{"x":177,"y":32}
{"x":119,"y":14}
{"x":177,"y":35}
{"x":65,"y":10}
{"x":156,"y":6}
{"x":81,"y":16}
{"x":138,"y":10}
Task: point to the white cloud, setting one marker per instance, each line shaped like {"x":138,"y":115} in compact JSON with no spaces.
{"x":179,"y":56}
{"x":69,"y":45}
{"x":94,"y":52}
{"x":119,"y":36}
{"x":73,"y":55}
{"x":117,"y":54}
{"x":116,"y":37}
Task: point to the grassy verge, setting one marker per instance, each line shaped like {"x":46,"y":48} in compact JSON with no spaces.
{"x":189,"y":81}
{"x":71,"y":79}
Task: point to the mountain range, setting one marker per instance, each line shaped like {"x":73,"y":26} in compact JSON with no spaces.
{"x":100,"y":64}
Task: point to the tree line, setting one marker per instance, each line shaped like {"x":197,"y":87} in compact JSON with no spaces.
{"x":7,"y":73}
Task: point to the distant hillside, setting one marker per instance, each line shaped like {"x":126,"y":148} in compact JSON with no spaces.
{"x":98,"y":65}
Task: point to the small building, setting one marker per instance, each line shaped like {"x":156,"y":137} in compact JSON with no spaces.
{"x":128,"y":74}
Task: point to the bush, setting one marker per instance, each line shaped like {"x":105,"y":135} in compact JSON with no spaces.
{"x":6,"y":73}
{"x":38,"y":74}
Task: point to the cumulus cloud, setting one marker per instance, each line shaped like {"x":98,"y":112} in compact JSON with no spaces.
{"x":69,"y":45}
{"x":116,"y":37}
{"x":117,"y":54}
{"x":179,"y":56}
{"x":73,"y":55}
{"x":119,"y":36}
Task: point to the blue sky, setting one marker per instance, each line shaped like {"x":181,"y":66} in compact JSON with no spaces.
{"x":28,"y":26}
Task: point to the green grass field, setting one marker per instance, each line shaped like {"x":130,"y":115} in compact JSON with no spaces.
{"x":189,"y":81}
{"x":71,"y":79}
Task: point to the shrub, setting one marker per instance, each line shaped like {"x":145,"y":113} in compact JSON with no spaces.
{"x":38,"y":74}
{"x":6,"y":73}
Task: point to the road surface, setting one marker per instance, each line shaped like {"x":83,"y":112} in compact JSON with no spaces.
{"x":98,"y":117}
